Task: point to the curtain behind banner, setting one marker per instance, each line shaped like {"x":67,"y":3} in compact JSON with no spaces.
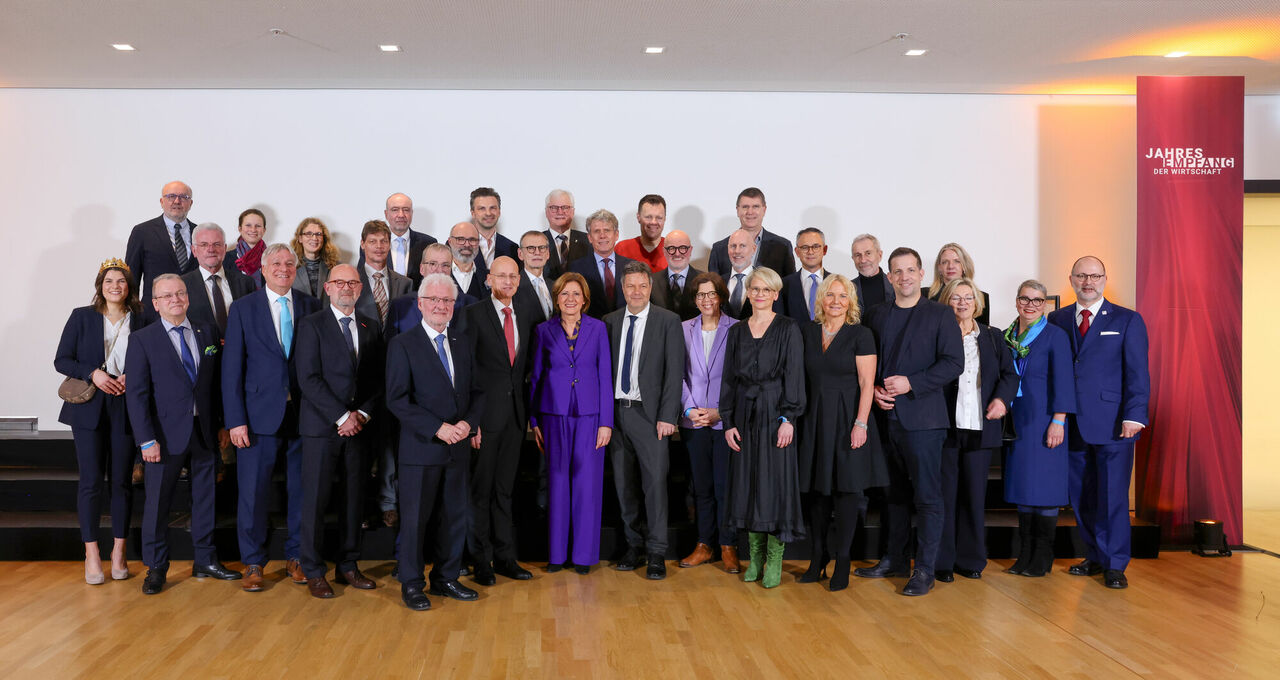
{"x":1190,"y":245}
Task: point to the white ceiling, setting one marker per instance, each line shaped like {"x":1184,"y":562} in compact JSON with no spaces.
{"x":975,"y":46}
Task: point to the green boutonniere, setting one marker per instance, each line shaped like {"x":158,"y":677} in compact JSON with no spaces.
{"x":210,"y":350}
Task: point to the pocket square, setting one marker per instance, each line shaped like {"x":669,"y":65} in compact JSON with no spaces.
{"x":1109,"y":333}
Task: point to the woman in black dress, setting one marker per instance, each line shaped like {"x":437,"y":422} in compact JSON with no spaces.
{"x":761,"y":395}
{"x":839,"y":450}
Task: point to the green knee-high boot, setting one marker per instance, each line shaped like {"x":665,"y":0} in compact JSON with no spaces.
{"x":756,"y":541}
{"x":773,"y":563}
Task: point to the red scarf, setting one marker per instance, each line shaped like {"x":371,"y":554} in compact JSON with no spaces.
{"x":249,"y":260}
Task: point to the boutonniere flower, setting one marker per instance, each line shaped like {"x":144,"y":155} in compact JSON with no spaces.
{"x":210,"y":350}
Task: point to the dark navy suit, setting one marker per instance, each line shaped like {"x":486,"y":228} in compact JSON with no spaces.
{"x":422,"y":397}
{"x":773,"y":252}
{"x":183,"y":418}
{"x":793,"y":302}
{"x":260,"y":390}
{"x":1113,"y":384}
{"x":149,"y":253}
{"x":201,"y":308}
{"x":602,"y":302}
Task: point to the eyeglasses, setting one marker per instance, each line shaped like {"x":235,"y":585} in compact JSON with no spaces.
{"x":312,"y":234}
{"x":1091,"y":278}
{"x":340,"y":283}
{"x":176,"y":197}
{"x":1027,"y":301}
{"x":757,"y":290}
{"x":505,"y":277}
{"x":712,"y":295}
{"x":969,"y":298}
{"x":466,"y":241}
{"x":438,"y":300}
{"x":537,"y":249}
{"x":559,"y":208}
{"x":811,"y":248}
{"x":211,"y":244}
{"x":180,"y":295}
{"x":678,"y":250}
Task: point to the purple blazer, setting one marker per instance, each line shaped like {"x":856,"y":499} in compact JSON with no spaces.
{"x":702,"y":380}
{"x":558,"y":374}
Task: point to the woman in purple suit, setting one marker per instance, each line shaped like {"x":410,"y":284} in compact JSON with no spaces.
{"x":571,"y":411}
{"x":705,"y":339}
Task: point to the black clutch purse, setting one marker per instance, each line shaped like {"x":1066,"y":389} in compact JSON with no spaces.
{"x":1007,"y":432}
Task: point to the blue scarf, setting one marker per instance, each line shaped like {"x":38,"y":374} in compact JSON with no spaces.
{"x":1020,"y":345}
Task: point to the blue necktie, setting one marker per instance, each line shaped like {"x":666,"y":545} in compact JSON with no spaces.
{"x":813,"y":293}
{"x":286,"y":326}
{"x":351,"y":341}
{"x":444,"y":358}
{"x":188,"y":361}
{"x":403,"y":252}
{"x":626,"y":354}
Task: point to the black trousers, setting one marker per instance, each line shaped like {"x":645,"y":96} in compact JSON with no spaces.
{"x":709,"y":463}
{"x":439,"y":493}
{"x":964,"y":497}
{"x":915,"y":477}
{"x":106,"y":448}
{"x":848,"y":509}
{"x":493,"y":476}
{"x":321,"y":458}
{"x":159,"y":481}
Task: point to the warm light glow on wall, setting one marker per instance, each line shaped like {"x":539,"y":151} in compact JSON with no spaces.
{"x":1254,"y":37}
{"x":1104,"y":85}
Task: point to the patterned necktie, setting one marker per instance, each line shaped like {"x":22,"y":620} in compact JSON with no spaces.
{"x":180,"y":247}
{"x":626,"y":354}
{"x":735,"y":300}
{"x":380,"y":296}
{"x":675,"y":288}
{"x":813,"y":293}
{"x":563,"y":247}
{"x":610,"y":293}
{"x":286,"y":326}
{"x":444,"y":358}
{"x":1084,"y":322}
{"x":509,"y":330}
{"x":188,"y":361}
{"x":219,"y":303}
{"x":544,"y":298}
{"x":346,"y":333}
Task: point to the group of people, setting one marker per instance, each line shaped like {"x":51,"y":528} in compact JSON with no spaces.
{"x":794,"y":392}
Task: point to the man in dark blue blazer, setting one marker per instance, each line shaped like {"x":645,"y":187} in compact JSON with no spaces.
{"x":486,"y":210}
{"x":919,"y":352}
{"x":1113,"y":387}
{"x":161,"y":245}
{"x":772,"y":251}
{"x":404,"y":314}
{"x":468,"y":269}
{"x":221,"y":285}
{"x":341,"y":363}
{"x":260,"y":397}
{"x":176,"y":414}
{"x":603,"y":265}
{"x":404,"y":243}
{"x":799,"y":296}
{"x":432,"y":391}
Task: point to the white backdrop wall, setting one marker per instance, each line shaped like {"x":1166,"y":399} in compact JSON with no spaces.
{"x":78,"y":168}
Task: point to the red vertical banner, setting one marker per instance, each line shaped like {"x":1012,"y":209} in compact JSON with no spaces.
{"x":1190,"y":249}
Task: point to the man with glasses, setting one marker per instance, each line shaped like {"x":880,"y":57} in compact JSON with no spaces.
{"x":535,"y":290}
{"x":403,"y":241}
{"x":770,"y":250}
{"x":567,"y":243}
{"x":486,"y":209}
{"x":648,"y":247}
{"x":161,"y":245}
{"x":671,"y":285}
{"x":436,"y":258}
{"x":469,"y":271}
{"x":603,"y":267}
{"x":800,"y":290}
{"x":221,"y":286}
{"x":434,"y":393}
{"x":1113,"y":387}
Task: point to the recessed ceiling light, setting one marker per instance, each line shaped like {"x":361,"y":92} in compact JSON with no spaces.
{"x":654,"y":50}
{"x":914,"y":53}
{"x":123,"y":47}
{"x":389,"y":48}
{"x":1175,"y":55}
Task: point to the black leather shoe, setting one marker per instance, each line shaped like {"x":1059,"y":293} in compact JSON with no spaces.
{"x":582,"y":569}
{"x":553,"y":568}
{"x":1114,"y":578}
{"x":512,"y":570}
{"x":414,"y":598}
{"x":882,"y":569}
{"x":1085,"y":568}
{"x":630,"y":560}
{"x":968,"y":573}
{"x":945,"y":575}
{"x":154,"y":582}
{"x":453,"y":590}
{"x":657,"y":568}
{"x":214,"y":570}
{"x":484,"y":575}
{"x":920,"y":584}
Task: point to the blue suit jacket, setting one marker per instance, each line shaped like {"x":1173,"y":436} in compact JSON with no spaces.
{"x":1112,"y":379}
{"x":403,"y":314}
{"x":931,"y":355}
{"x":701,"y":387}
{"x":160,"y":396}
{"x":80,"y":353}
{"x":792,"y":301}
{"x":421,"y":397}
{"x":774,"y":252}
{"x":257,"y":379}
{"x":559,"y":376}
{"x":600,"y":300}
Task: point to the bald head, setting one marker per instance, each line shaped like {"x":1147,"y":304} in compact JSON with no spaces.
{"x":463,"y":240}
{"x":742,"y":249}
{"x":175,"y":200}
{"x":679,"y":250}
{"x":1088,"y":280}
{"x":343,"y":287}
{"x":504,"y":278}
{"x":399,"y":213}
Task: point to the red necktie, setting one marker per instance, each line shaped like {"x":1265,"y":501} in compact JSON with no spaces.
{"x":1084,"y":322}
{"x":509,"y":330}
{"x":609,"y":292}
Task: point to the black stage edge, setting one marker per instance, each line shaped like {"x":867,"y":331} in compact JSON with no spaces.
{"x":38,"y":481}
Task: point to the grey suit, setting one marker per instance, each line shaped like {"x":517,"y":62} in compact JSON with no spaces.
{"x":302,"y":282}
{"x":635,"y":446}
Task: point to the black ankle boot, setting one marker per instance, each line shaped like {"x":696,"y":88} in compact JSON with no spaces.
{"x":840,"y":575}
{"x":1041,"y":564}
{"x":1026,"y":530}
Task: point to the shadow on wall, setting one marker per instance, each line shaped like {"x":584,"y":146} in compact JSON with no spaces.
{"x":1088,"y":203}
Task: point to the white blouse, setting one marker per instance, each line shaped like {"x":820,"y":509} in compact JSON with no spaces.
{"x":969,"y":395}
{"x":119,"y":334}
{"x":708,"y":340}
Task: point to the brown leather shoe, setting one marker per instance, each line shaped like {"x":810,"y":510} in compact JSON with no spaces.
{"x":319,"y":587}
{"x":294,"y":569}
{"x":390,"y":517}
{"x":354,"y":579}
{"x":137,"y":475}
{"x":252,"y":579}
{"x":701,"y":554}
{"x":729,"y":553}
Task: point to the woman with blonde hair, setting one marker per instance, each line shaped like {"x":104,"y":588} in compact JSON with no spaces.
{"x":313,"y":246}
{"x":953,"y":262}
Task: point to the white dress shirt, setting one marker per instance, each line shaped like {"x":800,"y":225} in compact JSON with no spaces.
{"x":115,"y":342}
{"x":463,"y":278}
{"x":448,"y":351}
{"x":636,"y":343}
{"x":222,"y":283}
{"x":355,"y":340}
{"x":497,"y":308}
{"x":486,"y":247}
{"x":544,"y":293}
{"x":275,"y":311}
{"x":1093,"y":313}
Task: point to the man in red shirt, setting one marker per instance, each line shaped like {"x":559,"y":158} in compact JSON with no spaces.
{"x":648,"y":246}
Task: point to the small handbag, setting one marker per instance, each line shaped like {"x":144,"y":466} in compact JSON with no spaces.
{"x":76,"y":391}
{"x":1007,"y":431}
